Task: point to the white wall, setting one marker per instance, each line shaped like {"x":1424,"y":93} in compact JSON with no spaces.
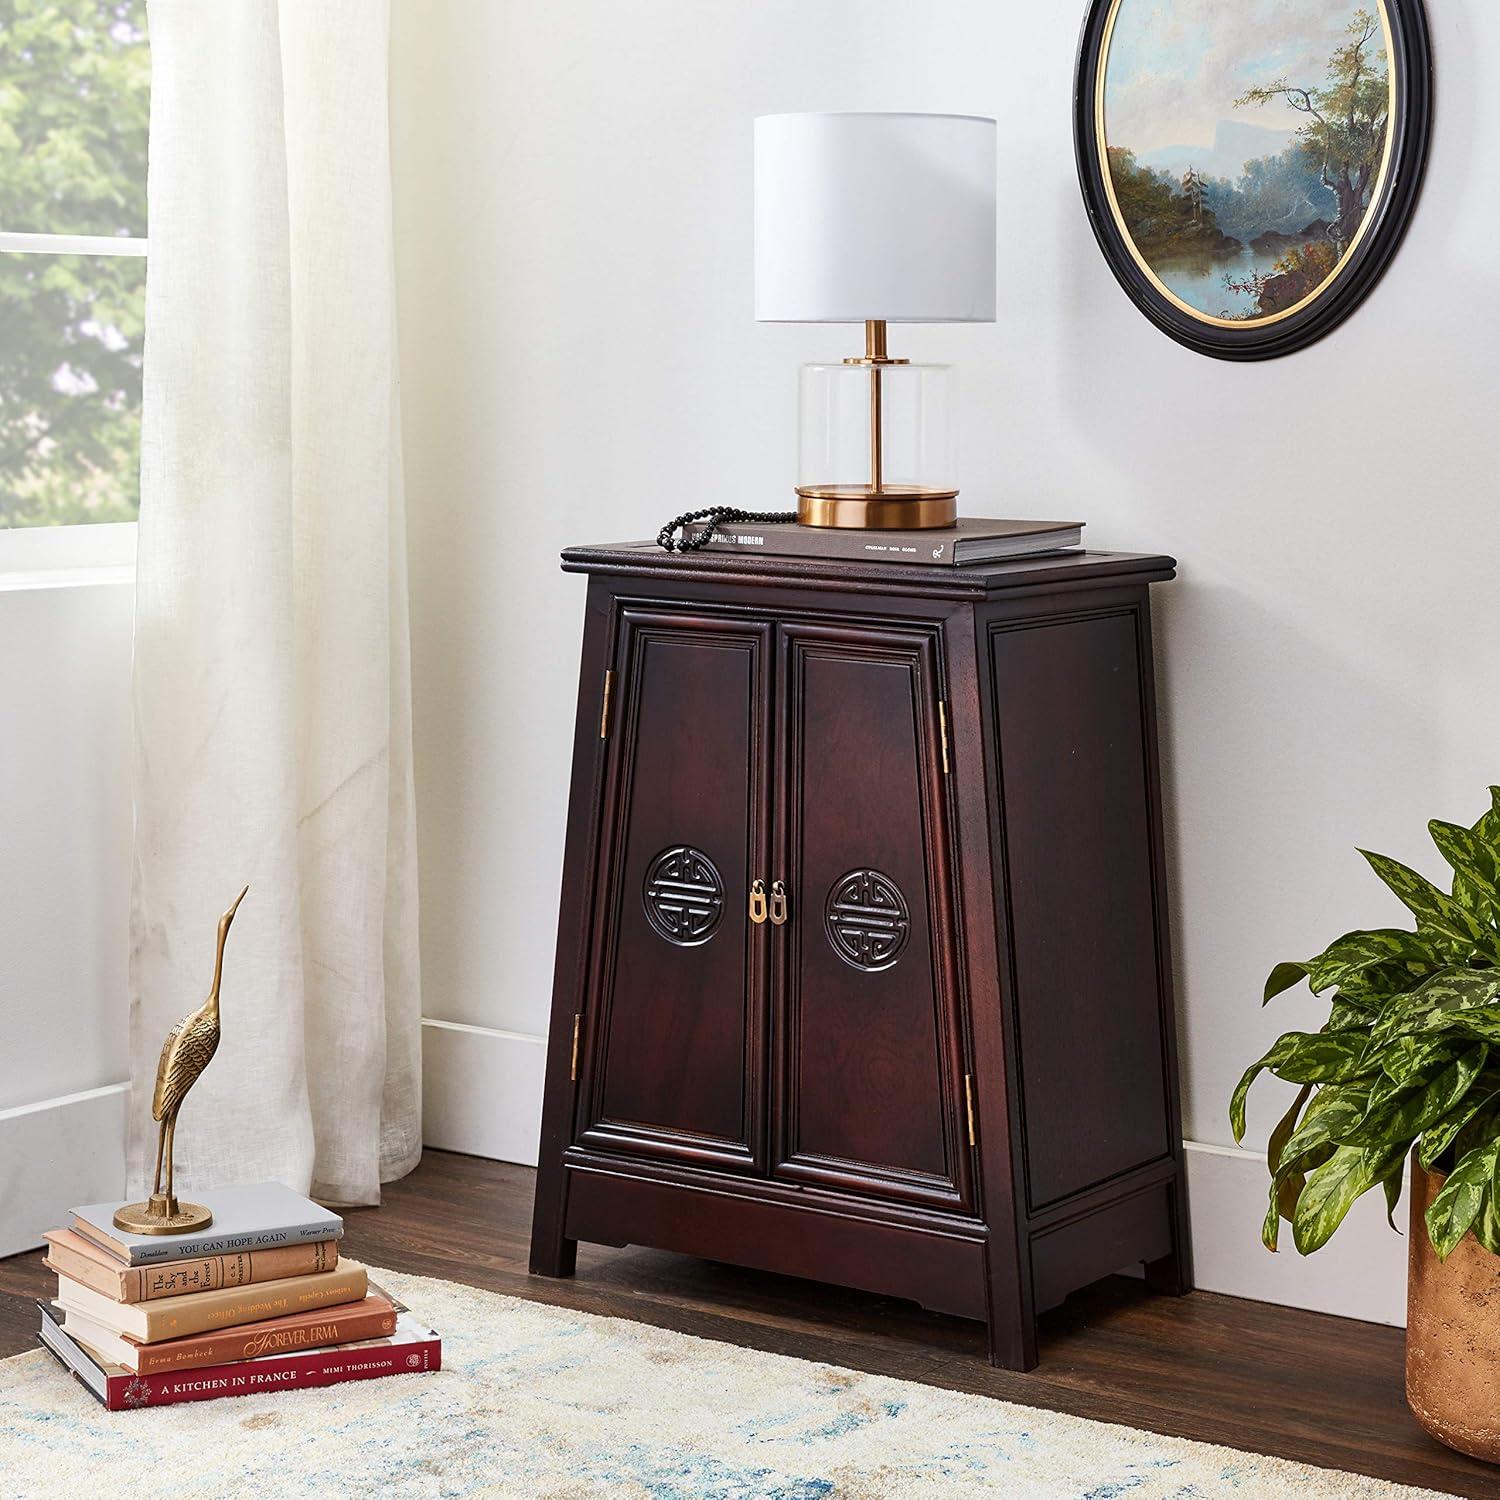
{"x":574,"y":246}
{"x":64,"y":894}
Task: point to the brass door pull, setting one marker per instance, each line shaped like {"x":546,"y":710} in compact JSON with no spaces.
{"x":757,"y":901}
{"x":778,"y":903}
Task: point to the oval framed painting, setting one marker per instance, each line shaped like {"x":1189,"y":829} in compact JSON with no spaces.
{"x":1249,"y":166}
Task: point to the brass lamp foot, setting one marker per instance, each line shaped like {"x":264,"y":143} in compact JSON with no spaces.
{"x":891,"y":508}
{"x":162,"y":1214}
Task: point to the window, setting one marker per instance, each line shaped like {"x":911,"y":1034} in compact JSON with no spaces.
{"x":75,"y":80}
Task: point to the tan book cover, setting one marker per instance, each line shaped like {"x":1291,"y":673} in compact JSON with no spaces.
{"x":373,"y":1318}
{"x":203,"y":1312}
{"x":70,"y":1254}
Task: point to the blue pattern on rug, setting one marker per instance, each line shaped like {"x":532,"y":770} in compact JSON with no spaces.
{"x":540,"y":1403}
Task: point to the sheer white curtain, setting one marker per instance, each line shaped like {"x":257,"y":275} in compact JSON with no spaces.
{"x":272,"y":684}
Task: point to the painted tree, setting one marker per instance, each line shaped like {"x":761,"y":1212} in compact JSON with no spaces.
{"x":74,"y":97}
{"x":1346,"y":119}
{"x":1192,"y":190}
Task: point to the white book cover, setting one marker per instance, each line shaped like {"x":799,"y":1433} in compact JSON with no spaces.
{"x":250,"y":1217}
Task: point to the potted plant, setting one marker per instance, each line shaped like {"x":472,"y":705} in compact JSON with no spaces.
{"x":1408,"y":1065}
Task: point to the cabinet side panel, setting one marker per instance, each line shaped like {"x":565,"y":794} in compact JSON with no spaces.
{"x":677,"y":1012}
{"x":1074,"y":766}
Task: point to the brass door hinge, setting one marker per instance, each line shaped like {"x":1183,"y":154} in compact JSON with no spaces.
{"x":969,"y":1103}
{"x":573,"y":1066}
{"x":609,"y":687}
{"x":943,"y":731}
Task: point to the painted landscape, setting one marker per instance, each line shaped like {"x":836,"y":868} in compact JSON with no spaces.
{"x":1245,"y":143}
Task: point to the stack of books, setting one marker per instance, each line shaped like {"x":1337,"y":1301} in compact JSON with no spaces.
{"x":260,"y":1300}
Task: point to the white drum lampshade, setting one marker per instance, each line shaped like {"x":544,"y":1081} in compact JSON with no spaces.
{"x":875,"y":219}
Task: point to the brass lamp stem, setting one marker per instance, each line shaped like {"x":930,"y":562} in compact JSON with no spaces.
{"x":876,"y":355}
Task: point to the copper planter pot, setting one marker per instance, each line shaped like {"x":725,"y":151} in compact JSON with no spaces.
{"x":1452,"y":1334}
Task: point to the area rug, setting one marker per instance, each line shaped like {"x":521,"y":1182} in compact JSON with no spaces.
{"x":544,"y":1403}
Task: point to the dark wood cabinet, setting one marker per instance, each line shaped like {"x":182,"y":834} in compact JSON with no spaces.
{"x":862,"y":961}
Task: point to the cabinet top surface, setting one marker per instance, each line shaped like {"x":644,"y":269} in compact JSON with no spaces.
{"x":1046,"y":570}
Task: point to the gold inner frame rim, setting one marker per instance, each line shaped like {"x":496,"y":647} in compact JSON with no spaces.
{"x":1377,"y":192}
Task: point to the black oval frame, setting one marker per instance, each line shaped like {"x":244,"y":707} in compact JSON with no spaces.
{"x":1412,"y":124}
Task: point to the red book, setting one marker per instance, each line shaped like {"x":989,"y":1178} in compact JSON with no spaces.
{"x":411,"y":1350}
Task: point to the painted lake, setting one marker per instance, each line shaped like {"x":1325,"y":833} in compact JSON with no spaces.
{"x":1199,"y":281}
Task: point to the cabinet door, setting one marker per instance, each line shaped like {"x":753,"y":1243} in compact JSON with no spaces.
{"x":866,"y":1048}
{"x":674,"y":1038}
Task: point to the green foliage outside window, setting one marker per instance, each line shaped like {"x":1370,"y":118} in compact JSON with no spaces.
{"x":75,"y":81}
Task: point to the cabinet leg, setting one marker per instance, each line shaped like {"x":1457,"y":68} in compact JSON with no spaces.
{"x":552,"y":1252}
{"x":1172,"y":1275}
{"x":1013,"y":1345}
{"x":1168,"y":1277}
{"x":556,"y":1257}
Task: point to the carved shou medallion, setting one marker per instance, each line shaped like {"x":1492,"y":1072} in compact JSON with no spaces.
{"x":684,"y":896}
{"x":867,"y":920}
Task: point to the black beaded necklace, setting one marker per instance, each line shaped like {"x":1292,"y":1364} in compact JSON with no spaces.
{"x":716,"y":516}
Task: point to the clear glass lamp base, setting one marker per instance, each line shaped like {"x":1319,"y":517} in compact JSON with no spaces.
{"x":877,"y":443}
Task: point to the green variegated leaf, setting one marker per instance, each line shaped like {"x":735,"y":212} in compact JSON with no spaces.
{"x":1442,"y":1133}
{"x":1469,"y":854}
{"x":1470,"y":893}
{"x":1311,"y":1057}
{"x":1408,"y":1059}
{"x":1356,"y":952}
{"x":1398,"y":1120}
{"x":1345,"y":1014}
{"x":1453,"y":1212}
{"x":1481,"y":1128}
{"x":1285,"y":1126}
{"x":1373,"y":987}
{"x":1322,"y":1129}
{"x":1270,"y":1229}
{"x":1287,"y":1188}
{"x":1439,"y":916}
{"x":1282,"y":977}
{"x":1325,"y":1057}
{"x":1393,"y":1183}
{"x":1488,"y":825}
{"x":1280,"y":1050}
{"x":1445,"y":993}
{"x":1481,"y":1022}
{"x":1486,"y":1227}
{"x":1332,"y":1189}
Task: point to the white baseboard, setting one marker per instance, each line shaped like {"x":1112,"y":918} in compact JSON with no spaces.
{"x":55,"y":1155}
{"x":482,"y":1090}
{"x":1359,"y":1273}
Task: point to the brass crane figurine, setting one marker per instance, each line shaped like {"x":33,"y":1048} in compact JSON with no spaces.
{"x":187,"y":1051}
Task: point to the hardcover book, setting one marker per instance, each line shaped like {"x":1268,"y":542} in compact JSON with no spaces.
{"x":200,"y":1312}
{"x":412,"y":1349}
{"x":375,"y":1317}
{"x":259,"y":1216}
{"x":971,"y":539}
{"x":83,"y":1261}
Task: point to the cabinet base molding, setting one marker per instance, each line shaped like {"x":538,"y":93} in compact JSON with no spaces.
{"x":863,"y":971}
{"x":941,"y":1269}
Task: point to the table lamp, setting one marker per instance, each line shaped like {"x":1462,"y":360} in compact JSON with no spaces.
{"x":875,"y":219}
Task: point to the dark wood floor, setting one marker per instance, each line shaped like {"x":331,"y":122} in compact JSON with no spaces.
{"x":1323,"y":1390}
